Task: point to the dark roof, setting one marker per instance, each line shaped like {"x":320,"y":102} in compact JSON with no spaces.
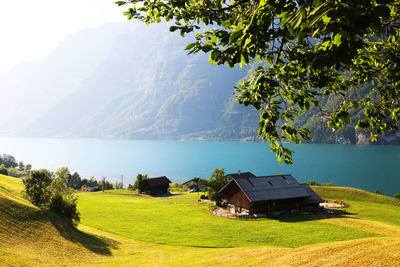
{"x":157,"y":181}
{"x":92,"y":184}
{"x":241,"y":175}
{"x":194,"y":180}
{"x":313,"y":198}
{"x":275,"y":187}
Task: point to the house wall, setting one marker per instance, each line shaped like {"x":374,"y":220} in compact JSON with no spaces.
{"x":159,"y":190}
{"x":274,"y":205}
{"x":236,"y":197}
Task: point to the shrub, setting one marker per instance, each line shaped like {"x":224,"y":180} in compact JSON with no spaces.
{"x":377,"y":191}
{"x":3,"y":170}
{"x":13,"y":172}
{"x":65,"y":206}
{"x":312,"y":182}
{"x":397,"y":195}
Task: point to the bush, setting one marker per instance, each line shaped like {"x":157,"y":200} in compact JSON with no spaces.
{"x":13,"y":172}
{"x":377,"y":191}
{"x":65,"y":206}
{"x":3,"y":170}
{"x":314,"y":183}
{"x":397,"y":195}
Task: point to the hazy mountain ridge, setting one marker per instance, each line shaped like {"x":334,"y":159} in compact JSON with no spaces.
{"x":127,"y":80}
{"x":143,"y":85}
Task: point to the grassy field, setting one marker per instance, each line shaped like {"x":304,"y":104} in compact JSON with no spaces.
{"x":188,"y":223}
{"x":30,"y":237}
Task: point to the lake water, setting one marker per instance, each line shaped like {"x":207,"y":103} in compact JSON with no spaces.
{"x":364,"y":167}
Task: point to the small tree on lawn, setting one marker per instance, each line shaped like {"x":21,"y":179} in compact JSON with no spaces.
{"x":139,"y":182}
{"x":378,"y":192}
{"x":21,"y":166}
{"x":37,"y":187}
{"x":216,"y":182}
{"x":28,"y":167}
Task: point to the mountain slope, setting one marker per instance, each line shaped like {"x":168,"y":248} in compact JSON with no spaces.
{"x":147,"y":87}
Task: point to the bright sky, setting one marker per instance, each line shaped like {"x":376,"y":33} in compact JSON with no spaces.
{"x":31,"y":29}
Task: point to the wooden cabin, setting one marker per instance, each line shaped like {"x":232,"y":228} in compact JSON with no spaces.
{"x":156,"y":186}
{"x":90,"y":187}
{"x":268,"y":194}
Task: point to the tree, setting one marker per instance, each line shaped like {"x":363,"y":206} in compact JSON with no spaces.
{"x":8,"y":161}
{"x":63,"y":200}
{"x":378,"y":192}
{"x":37,"y":187}
{"x":302,"y":51}
{"x":216,"y":182}
{"x":139,"y":182}
{"x":21,"y":166}
{"x":104,"y":184}
{"x":64,"y":175}
{"x":44,"y":192}
{"x":28,"y":167}
{"x":118,"y":185}
{"x":397,"y":195}
{"x":75,"y":181}
{"x":3,"y":170}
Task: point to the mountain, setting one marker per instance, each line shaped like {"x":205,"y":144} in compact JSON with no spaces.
{"x":127,"y":80}
{"x":123,"y":81}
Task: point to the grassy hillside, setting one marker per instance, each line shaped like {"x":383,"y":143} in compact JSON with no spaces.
{"x":30,"y":237}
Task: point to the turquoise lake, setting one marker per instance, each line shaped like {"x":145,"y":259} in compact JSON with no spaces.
{"x":364,"y":167}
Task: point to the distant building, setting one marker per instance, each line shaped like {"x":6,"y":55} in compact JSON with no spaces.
{"x":268,"y":194}
{"x":191,"y":182}
{"x":241,"y":175}
{"x":90,"y":187}
{"x":156,"y":186}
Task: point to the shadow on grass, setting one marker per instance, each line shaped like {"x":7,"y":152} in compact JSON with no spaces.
{"x":26,"y":220}
{"x":96,"y":244}
{"x":313,"y":217}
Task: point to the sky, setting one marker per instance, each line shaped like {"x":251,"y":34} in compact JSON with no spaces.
{"x":32,"y":29}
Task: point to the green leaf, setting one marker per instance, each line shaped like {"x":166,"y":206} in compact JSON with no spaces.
{"x":190,"y":46}
{"x":235,"y":36}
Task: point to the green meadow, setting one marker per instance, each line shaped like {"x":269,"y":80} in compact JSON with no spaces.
{"x":189,"y":223}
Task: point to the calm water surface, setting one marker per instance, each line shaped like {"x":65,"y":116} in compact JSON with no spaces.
{"x":364,"y":167}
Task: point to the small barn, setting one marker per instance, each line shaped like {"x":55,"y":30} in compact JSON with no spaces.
{"x":90,"y":187}
{"x":156,"y":186}
{"x":191,"y":183}
{"x":268,"y":194}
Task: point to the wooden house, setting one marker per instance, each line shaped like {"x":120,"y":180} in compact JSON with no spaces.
{"x":268,"y":194}
{"x":190,"y":184}
{"x":156,"y":186}
{"x":90,"y":187}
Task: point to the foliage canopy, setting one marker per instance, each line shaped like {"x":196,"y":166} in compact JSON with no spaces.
{"x":216,"y":182}
{"x":53,"y":194}
{"x":306,"y":49}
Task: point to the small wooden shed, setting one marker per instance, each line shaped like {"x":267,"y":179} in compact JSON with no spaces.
{"x":266,"y":194}
{"x":156,"y":186}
